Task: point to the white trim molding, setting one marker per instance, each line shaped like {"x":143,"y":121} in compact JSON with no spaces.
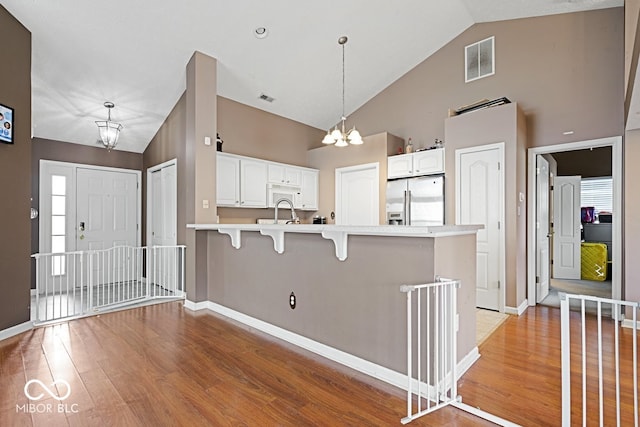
{"x":615,"y":142}
{"x":374,"y":370}
{"x":15,"y":330}
{"x":518,"y":310}
{"x":196,"y":306}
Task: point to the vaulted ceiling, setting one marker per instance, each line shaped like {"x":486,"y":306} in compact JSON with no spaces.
{"x":134,"y":54}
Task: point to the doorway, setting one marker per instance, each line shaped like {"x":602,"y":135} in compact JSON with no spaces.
{"x":567,"y":224}
{"x":480,"y":200}
{"x":358,"y":195}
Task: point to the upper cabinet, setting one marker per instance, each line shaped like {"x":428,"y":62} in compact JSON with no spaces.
{"x":240,"y":181}
{"x":246,"y":182}
{"x":428,"y":162}
{"x":283,"y":174}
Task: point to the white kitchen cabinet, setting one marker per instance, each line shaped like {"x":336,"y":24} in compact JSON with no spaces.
{"x":400,"y":165}
{"x":307,"y":199}
{"x":227,"y":180}
{"x":282,"y":174}
{"x":241,"y":181}
{"x":426,"y":162}
{"x":253,"y":183}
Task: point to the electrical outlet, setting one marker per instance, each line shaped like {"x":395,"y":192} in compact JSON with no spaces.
{"x":292,"y":300}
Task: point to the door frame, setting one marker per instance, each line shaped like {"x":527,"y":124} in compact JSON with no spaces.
{"x":150,"y":171}
{"x":500,"y":146}
{"x":74,"y":167}
{"x":615,"y":142}
{"x":338,"y":187}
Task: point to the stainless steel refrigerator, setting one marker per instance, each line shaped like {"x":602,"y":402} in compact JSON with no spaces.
{"x":416,"y":201}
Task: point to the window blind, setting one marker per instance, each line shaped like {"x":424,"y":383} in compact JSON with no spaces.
{"x":597,"y":192}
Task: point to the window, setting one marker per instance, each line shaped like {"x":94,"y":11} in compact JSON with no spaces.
{"x":58,"y":222}
{"x":597,"y":192}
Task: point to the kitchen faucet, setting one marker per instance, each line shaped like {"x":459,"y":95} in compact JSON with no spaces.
{"x":293,"y":219}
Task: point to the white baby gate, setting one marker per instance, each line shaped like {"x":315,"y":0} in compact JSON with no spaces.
{"x":602,"y":352}
{"x":74,"y":284}
{"x":431,"y":347}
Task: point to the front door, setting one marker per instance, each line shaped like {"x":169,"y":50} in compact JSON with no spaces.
{"x":479,"y":201}
{"x":566,"y":225}
{"x":542,"y":228}
{"x":106,"y":215}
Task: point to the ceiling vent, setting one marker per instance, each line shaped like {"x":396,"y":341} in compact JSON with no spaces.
{"x":479,"y":60}
{"x":266,"y":98}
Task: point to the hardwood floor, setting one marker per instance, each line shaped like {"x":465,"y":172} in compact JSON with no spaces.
{"x":164,"y":365}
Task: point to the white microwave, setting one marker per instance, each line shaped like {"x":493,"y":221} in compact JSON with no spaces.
{"x":276,"y":192}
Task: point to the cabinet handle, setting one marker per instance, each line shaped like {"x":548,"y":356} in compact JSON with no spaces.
{"x":417,"y":170}
{"x":242,"y":202}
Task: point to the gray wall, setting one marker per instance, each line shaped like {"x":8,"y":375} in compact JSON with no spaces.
{"x":565,"y":71}
{"x":353,"y":305}
{"x":15,"y":173}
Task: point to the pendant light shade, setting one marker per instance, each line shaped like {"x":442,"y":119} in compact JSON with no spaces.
{"x":109,"y":131}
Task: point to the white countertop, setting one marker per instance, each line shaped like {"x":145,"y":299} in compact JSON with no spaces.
{"x":338,"y":233}
{"x":359,"y":230}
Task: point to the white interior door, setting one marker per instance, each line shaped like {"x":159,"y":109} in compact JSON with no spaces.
{"x":566,"y":226}
{"x":479,"y":200}
{"x":164,"y":205}
{"x":542,"y":228}
{"x":358,"y":195}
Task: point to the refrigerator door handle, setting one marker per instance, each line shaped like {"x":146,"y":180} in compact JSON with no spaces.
{"x":407,"y":207}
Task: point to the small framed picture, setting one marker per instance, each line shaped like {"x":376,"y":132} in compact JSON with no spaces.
{"x":6,"y":124}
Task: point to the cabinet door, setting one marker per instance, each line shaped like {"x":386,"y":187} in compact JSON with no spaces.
{"x":276,"y":173}
{"x":308,"y":198}
{"x":253,"y":184}
{"x":399,"y":166}
{"x":293,"y":176}
{"x":227,"y":180}
{"x":428,"y":162}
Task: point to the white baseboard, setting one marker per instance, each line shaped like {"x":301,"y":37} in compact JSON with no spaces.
{"x":196,"y":306}
{"x":33,"y":292}
{"x":519,"y":310}
{"x":15,"y":330}
{"x":374,"y":370}
{"x":628,"y":323}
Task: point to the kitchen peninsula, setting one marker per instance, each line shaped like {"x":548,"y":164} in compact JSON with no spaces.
{"x":345,"y":281}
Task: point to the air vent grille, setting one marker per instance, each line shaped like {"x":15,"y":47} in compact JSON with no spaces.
{"x":266,"y":97}
{"x":479,"y":59}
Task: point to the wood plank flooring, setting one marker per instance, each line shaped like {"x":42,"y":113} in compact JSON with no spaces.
{"x":164,"y":365}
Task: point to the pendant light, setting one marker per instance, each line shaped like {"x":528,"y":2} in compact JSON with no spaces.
{"x":340,"y":137}
{"x":109,"y":131}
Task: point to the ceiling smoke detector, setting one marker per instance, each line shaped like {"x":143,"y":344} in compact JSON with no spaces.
{"x":261,"y":32}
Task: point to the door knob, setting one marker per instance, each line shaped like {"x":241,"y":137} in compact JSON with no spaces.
{"x":81,"y":227}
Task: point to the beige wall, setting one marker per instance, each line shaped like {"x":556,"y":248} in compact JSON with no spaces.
{"x":15,"y":173}
{"x":631,"y":274}
{"x":504,"y":124}
{"x":565,"y":71}
{"x":255,"y":133}
{"x":376,"y":149}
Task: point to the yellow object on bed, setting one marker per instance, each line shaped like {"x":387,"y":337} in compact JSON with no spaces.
{"x":593,"y":262}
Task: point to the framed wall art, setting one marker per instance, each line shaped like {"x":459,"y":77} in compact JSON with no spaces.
{"x":6,"y":124}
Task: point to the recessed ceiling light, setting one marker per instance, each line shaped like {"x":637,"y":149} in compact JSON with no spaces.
{"x":261,"y":32}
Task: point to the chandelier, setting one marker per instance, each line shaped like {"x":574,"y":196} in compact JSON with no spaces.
{"x":340,"y":137}
{"x":109,"y":131}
